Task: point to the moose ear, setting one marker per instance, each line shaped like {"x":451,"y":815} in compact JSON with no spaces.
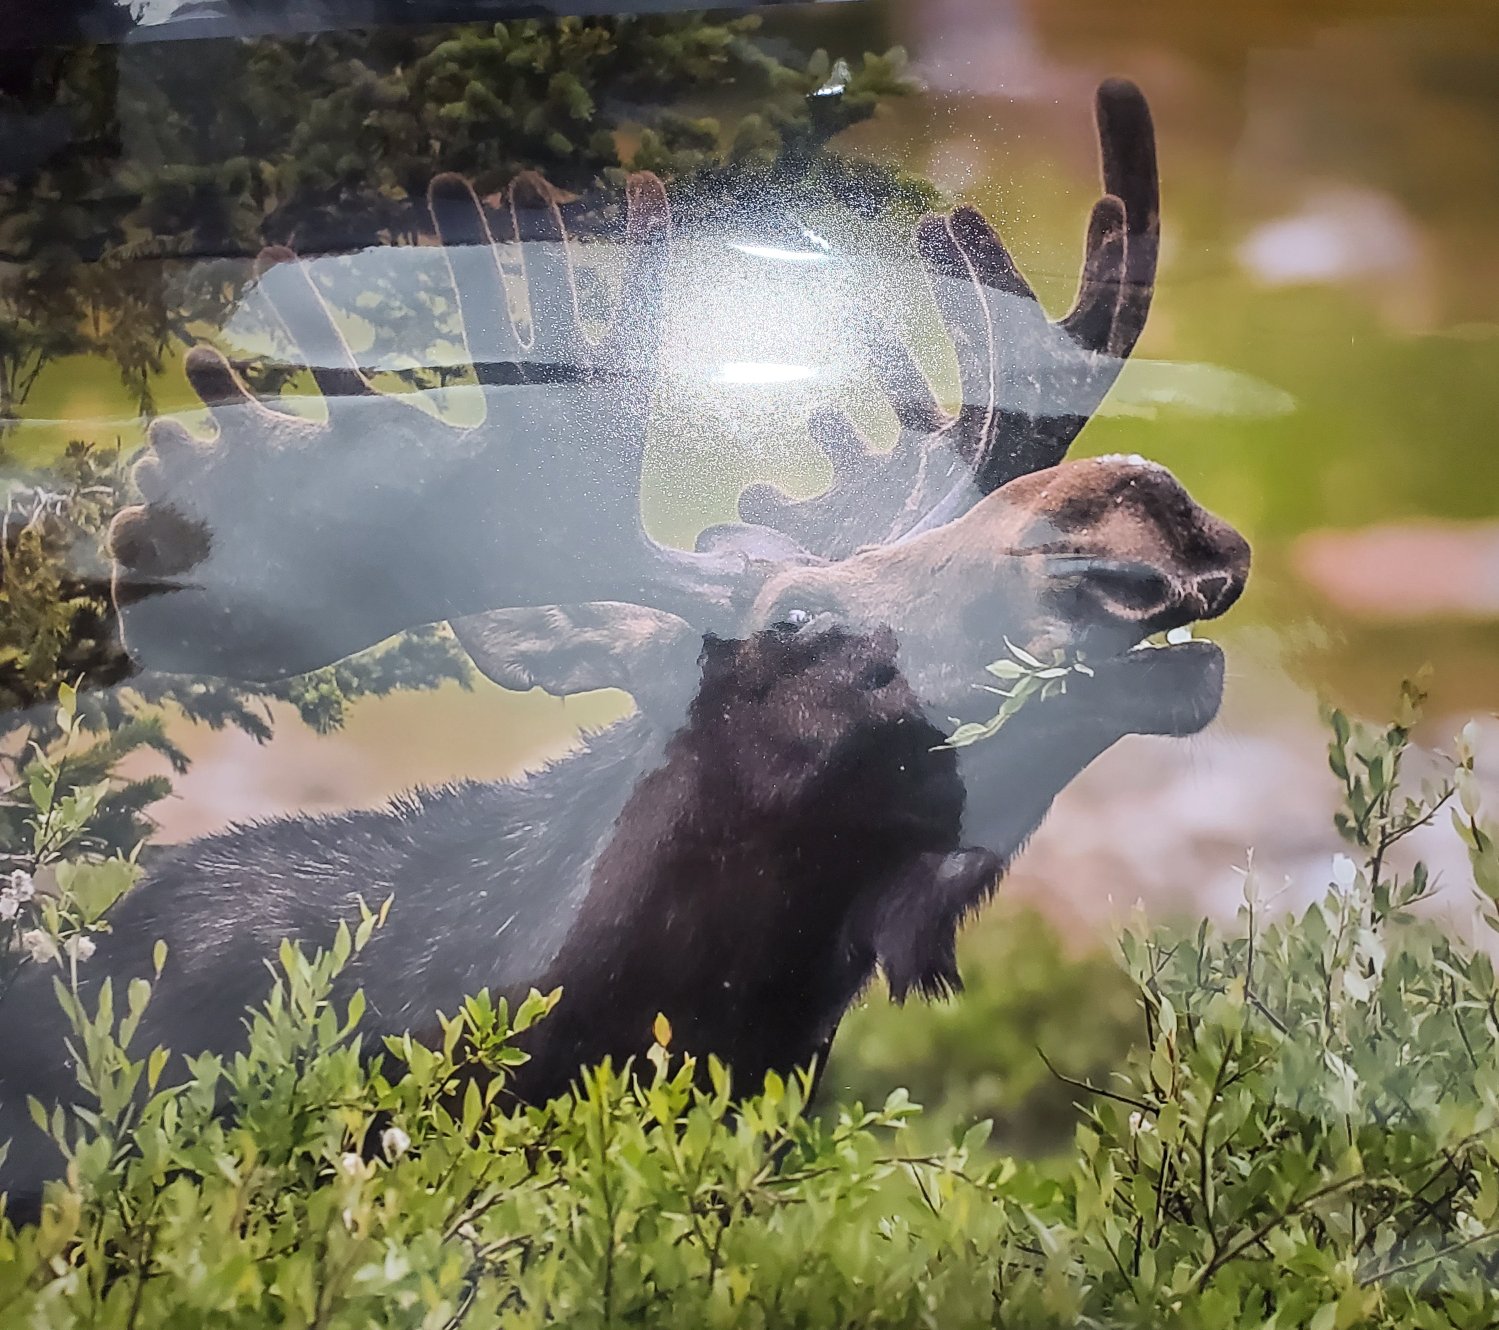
{"x":717,"y":656}
{"x":915,"y":925}
{"x":758,"y":544}
{"x":571,"y":649}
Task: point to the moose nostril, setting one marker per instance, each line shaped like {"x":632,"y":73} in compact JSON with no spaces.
{"x":1214,"y":591}
{"x":876,"y":676}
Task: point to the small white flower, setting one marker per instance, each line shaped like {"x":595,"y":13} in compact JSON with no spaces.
{"x":1138,"y":1123}
{"x":21,"y":885}
{"x":80,"y":948}
{"x":10,"y":907}
{"x":1356,"y":984}
{"x":352,"y":1164}
{"x":1344,"y":872}
{"x":1369,"y":952}
{"x":39,"y":945}
{"x":394,"y":1142}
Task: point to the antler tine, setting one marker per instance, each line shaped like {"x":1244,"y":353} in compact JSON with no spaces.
{"x":875,"y":496}
{"x":558,"y":348}
{"x":173,"y":451}
{"x":636,"y":332}
{"x":989,"y":310}
{"x":1095,"y":312}
{"x":1027,"y":385}
{"x":489,"y":333}
{"x":217,"y":384}
{"x":1126,"y":135}
{"x":165,"y":543}
{"x":862,"y":505}
{"x":907,"y":388}
{"x":555,"y":350}
{"x":296,"y":302}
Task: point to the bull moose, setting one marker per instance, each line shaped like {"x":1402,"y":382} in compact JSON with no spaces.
{"x":779,"y":818}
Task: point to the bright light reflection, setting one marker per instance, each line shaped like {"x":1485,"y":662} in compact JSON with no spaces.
{"x":779,"y":255}
{"x":756,"y":371}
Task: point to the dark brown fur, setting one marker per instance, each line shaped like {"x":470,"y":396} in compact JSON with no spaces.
{"x":746,"y":892}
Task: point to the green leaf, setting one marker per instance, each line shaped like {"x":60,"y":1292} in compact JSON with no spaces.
{"x":1024,"y":657}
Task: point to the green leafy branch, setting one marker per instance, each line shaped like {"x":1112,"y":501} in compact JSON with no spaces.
{"x":1030,"y":679}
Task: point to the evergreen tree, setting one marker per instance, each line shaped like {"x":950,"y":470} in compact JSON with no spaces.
{"x":144,"y":168}
{"x":140,"y":184}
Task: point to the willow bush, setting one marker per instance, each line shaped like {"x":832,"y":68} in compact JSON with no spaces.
{"x":1306,"y":1133}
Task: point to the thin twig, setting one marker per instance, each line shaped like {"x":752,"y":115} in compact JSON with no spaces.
{"x":1380,"y":1275}
{"x":1271,"y":1224}
{"x":1095,"y":1089}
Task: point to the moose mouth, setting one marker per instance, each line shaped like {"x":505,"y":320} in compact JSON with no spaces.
{"x":1172,"y":690}
{"x":1132,"y":682}
{"x":1144,"y":685}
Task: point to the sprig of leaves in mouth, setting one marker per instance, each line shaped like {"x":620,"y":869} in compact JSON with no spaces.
{"x":1028,"y":678}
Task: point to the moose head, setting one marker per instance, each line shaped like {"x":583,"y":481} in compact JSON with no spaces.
{"x":285,"y":543}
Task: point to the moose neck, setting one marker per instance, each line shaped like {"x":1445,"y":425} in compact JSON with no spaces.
{"x":1026,"y":766}
{"x":719,"y":916}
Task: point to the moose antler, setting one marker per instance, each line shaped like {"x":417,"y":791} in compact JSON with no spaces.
{"x":284,"y":543}
{"x":1028,"y":385}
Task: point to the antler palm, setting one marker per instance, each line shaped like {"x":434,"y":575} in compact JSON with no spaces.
{"x":282,"y":543}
